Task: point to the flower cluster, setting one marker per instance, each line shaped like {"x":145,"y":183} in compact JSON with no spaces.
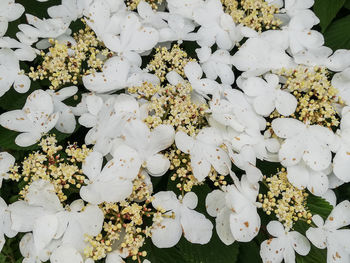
{"x":181,"y":104}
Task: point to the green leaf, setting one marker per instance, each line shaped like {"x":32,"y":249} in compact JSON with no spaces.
{"x":315,"y":256}
{"x":249,"y":252}
{"x":162,"y":255}
{"x":337,"y":35}
{"x":319,"y":206}
{"x":347,"y":4}
{"x":326,"y":10}
{"x":214,"y":251}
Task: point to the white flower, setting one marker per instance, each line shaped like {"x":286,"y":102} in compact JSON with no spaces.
{"x":301,"y":37}
{"x":6,"y":162}
{"x":42,"y":213}
{"x":40,"y":28}
{"x":284,"y":244}
{"x":268,"y":95}
{"x":341,"y":160}
{"x":331,"y":234}
{"x":293,"y":7}
{"x":312,"y":143}
{"x":9,"y":11}
{"x":217,"y":64}
{"x":66,"y":122}
{"x":322,"y":56}
{"x":107,"y":119}
{"x":178,"y":29}
{"x":113,"y":182}
{"x":117,"y":74}
{"x":11,"y":74}
{"x":22,"y":51}
{"x":216,"y":26}
{"x":260,"y":55}
{"x":148,"y":144}
{"x":234,"y":110}
{"x":195,"y":227}
{"x":69,"y":10}
{"x":184,"y":8}
{"x":36,"y":118}
{"x":341,"y":82}
{"x":5,"y":223}
{"x":301,"y":176}
{"x":204,"y":152}
{"x":66,"y":254}
{"x":235,"y":210}
{"x":202,"y":86}
{"x":122,"y":32}
{"x":151,"y":17}
{"x":33,"y":255}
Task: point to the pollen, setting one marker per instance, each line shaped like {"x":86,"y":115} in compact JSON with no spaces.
{"x":66,"y":63}
{"x":287,"y":202}
{"x":315,"y":95}
{"x":49,"y":164}
{"x":256,"y":14}
{"x":132,"y":4}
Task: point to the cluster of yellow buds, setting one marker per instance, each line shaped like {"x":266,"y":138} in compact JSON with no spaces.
{"x":315,"y":94}
{"x":172,"y":105}
{"x":217,"y":179}
{"x":165,"y":61}
{"x":287,"y":202}
{"x":124,"y":226}
{"x":66,"y":63}
{"x":132,"y":4}
{"x":256,"y":14}
{"x":48,"y":164}
{"x":180,"y":165}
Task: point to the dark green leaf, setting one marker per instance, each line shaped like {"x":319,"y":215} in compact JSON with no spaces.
{"x":337,"y":35}
{"x":214,"y":251}
{"x":326,"y":10}
{"x":319,"y":206}
{"x":162,"y":255}
{"x":249,"y":252}
{"x":347,"y":4}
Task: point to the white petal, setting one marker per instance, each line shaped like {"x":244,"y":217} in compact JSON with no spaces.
{"x":223,"y":227}
{"x":275,"y":228}
{"x":245,"y":225}
{"x":190,"y":200}
{"x":165,"y":200}
{"x":22,"y":83}
{"x":317,"y":236}
{"x":299,"y":243}
{"x":317,"y":156}
{"x":214,"y":202}
{"x":286,"y":103}
{"x":193,"y":71}
{"x":66,"y":254}
{"x":271,"y":251}
{"x":341,"y":164}
{"x":16,"y":120}
{"x":184,"y":142}
{"x":264,"y":105}
{"x":318,"y":184}
{"x":197,"y":229}
{"x":340,"y":216}
{"x":167,"y":233}
{"x":291,"y":151}
{"x":298,"y":176}
{"x":92,"y":165}
{"x":44,"y":230}
{"x":27,"y":139}
{"x":157,"y":165}
{"x":286,"y":127}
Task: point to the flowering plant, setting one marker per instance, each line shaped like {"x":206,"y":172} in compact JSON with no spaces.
{"x":174,"y":131}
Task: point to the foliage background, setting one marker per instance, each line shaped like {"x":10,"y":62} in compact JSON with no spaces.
{"x":335,"y":25}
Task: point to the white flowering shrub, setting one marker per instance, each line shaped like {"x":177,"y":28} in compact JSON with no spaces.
{"x":192,"y":131}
